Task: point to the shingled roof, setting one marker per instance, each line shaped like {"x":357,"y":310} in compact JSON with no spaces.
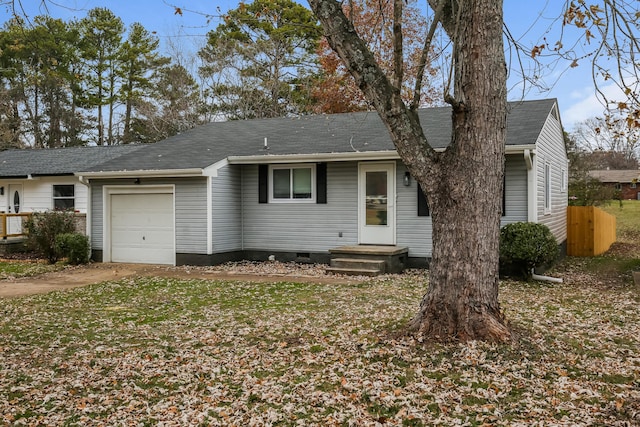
{"x":316,"y":134}
{"x":59,"y":161}
{"x":617,"y":176}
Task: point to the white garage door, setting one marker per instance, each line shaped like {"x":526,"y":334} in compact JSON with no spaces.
{"x":142,"y":228}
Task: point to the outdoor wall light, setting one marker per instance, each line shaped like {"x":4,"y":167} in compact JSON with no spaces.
{"x":407,"y":179}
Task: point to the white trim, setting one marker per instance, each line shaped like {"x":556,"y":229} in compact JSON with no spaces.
{"x":213,"y":169}
{"x":548,"y":188}
{"x":313,"y":158}
{"x":337,"y":157}
{"x":210,"y":215}
{"x":290,"y":167}
{"x":532,"y":191}
{"x":109,"y":190}
{"x":54,"y":198}
{"x":89,"y":213}
{"x":391,"y":200}
{"x":165,"y":173}
{"x":528,"y":159}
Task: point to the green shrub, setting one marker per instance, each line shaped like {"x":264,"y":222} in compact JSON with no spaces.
{"x":524,"y":246}
{"x":73,"y":246}
{"x":44,"y":227}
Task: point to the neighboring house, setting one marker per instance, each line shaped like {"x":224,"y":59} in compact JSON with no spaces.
{"x":40,"y":180}
{"x":298,"y":187}
{"x":625,"y":181}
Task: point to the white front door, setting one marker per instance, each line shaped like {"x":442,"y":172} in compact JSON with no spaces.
{"x":376,"y":203}
{"x":14,"y":224}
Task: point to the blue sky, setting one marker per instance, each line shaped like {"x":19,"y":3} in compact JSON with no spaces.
{"x":529,"y":22}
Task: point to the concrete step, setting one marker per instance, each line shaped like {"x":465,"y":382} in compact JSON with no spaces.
{"x":359,"y":263}
{"x":357,"y":266}
{"x":352,"y":271}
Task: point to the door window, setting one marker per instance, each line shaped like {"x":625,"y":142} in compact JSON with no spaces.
{"x":376,"y":198}
{"x":16,"y":202}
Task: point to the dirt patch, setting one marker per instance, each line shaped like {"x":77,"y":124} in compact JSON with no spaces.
{"x":95,"y":273}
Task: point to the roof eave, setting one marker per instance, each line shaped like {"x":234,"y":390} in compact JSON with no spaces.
{"x":158,"y":173}
{"x":316,"y":157}
{"x":338,"y":157}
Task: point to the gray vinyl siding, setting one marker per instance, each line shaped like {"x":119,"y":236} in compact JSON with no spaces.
{"x":190,"y":212}
{"x":303,"y":227}
{"x":516,"y":198}
{"x":191,"y":216}
{"x":415,"y":231}
{"x":412,"y":231}
{"x":550,"y":150}
{"x":226,"y":191}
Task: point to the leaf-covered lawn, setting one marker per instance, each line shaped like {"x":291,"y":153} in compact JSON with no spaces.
{"x":171,"y":352}
{"x":15,"y":269}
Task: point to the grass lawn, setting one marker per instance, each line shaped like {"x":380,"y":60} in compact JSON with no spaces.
{"x":156,"y":351}
{"x":15,"y":269}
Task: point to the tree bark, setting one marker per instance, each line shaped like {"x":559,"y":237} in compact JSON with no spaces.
{"x":464,"y":183}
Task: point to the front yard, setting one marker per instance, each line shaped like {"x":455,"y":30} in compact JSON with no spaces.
{"x":178,"y":352}
{"x":154,"y":351}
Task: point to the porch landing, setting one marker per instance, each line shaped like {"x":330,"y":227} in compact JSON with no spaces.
{"x":368,"y":260}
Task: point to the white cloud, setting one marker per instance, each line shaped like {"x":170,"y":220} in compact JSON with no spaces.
{"x":588,"y":105}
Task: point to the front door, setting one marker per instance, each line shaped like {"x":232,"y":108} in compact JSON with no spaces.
{"x":14,"y":224}
{"x":376,"y":203}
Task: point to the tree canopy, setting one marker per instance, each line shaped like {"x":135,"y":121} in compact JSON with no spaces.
{"x":83,"y":82}
{"x":258,"y":59}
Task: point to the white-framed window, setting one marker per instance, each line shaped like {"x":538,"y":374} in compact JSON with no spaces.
{"x":564,"y":178}
{"x":64,"y":197}
{"x":547,"y":188}
{"x":292,"y":183}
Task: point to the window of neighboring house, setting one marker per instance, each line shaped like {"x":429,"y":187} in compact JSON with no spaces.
{"x":64,"y":197}
{"x":618,"y":186}
{"x":547,"y":187}
{"x":292,"y":183}
{"x":633,"y":184}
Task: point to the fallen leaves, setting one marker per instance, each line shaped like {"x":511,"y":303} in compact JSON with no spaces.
{"x":175,"y":353}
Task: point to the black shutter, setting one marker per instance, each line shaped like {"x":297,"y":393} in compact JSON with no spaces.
{"x":263,"y":183}
{"x":423,"y":206}
{"x":321,"y":183}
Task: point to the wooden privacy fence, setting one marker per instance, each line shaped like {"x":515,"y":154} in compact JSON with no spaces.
{"x":590,"y":231}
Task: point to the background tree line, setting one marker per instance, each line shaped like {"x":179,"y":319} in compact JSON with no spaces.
{"x":89,"y":81}
{"x":92,"y":81}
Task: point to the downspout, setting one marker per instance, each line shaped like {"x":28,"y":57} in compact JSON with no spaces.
{"x":209,"y":215}
{"x":83,"y":180}
{"x":542,"y":278}
{"x":530,"y":160}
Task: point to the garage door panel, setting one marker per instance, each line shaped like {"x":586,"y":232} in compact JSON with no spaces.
{"x":142,"y":228}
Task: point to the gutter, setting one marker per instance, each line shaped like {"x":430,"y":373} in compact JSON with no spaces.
{"x":350,"y":156}
{"x":165,"y":173}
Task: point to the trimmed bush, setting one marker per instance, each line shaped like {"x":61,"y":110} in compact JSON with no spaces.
{"x":525,"y":246}
{"x":44,"y":227}
{"x":73,"y":246}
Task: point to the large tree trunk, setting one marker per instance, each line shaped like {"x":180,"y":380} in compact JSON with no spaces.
{"x":462,"y":299}
{"x":464,"y":183}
